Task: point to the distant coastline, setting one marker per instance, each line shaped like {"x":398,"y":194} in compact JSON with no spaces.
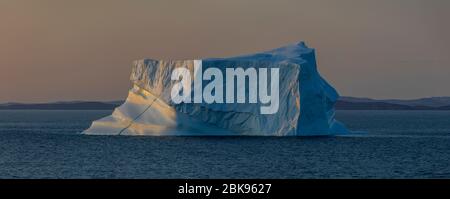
{"x":73,"y":105}
{"x":344,"y":103}
{"x":431,"y":103}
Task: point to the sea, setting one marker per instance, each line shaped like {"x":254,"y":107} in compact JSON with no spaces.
{"x":41,"y":144}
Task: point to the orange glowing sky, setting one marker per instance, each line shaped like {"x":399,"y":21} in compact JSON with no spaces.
{"x":54,"y":50}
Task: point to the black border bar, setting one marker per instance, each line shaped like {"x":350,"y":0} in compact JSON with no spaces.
{"x":170,"y":188}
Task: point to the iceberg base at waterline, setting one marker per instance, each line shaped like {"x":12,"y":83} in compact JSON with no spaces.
{"x":305,"y":102}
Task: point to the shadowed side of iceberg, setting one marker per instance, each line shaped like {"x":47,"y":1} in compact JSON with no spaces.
{"x":317,"y":96}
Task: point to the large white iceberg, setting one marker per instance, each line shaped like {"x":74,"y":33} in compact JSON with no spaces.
{"x":306,"y":101}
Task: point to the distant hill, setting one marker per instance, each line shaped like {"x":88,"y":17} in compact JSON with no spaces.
{"x":427,"y":102}
{"x":344,"y":103}
{"x":75,"y":105}
{"x":432,"y":103}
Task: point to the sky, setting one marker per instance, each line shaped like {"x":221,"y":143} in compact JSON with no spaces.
{"x":58,"y":50}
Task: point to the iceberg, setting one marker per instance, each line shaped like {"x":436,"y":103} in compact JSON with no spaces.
{"x":306,"y":101}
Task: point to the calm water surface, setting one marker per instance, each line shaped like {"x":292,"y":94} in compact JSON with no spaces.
{"x":398,"y":144}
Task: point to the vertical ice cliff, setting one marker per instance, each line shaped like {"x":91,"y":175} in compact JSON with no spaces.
{"x":306,"y":101}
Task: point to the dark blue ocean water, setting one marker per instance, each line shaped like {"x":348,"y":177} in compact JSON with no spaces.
{"x":398,"y":144}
